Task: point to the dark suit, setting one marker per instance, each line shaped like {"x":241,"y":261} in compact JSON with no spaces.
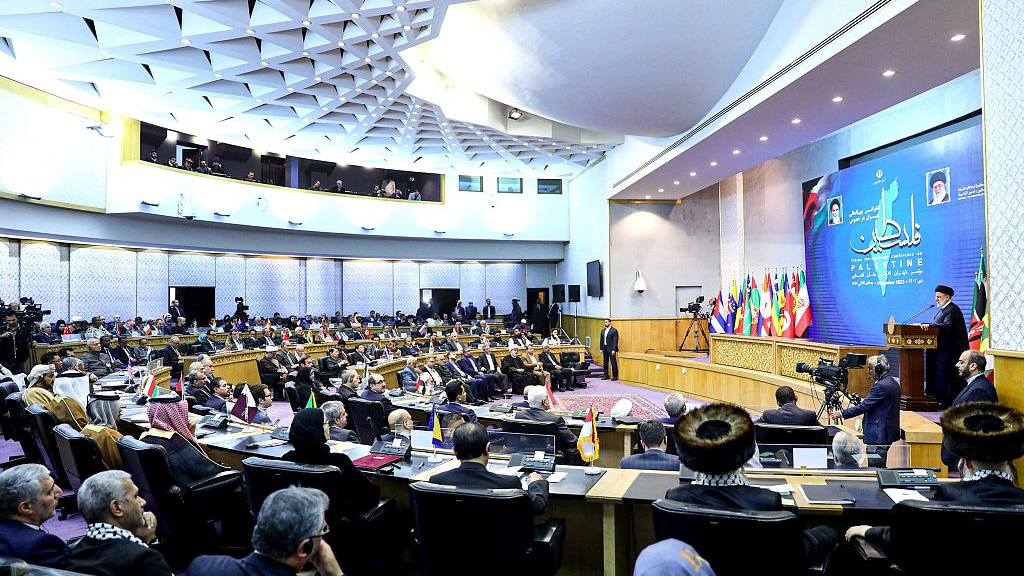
{"x":471,"y":312}
{"x":481,"y":387}
{"x":881,"y":411}
{"x":201,"y":392}
{"x":357,"y":358}
{"x":456,"y":408}
{"x":652,"y":459}
{"x":252,"y":565}
{"x":413,"y":350}
{"x":980,"y":389}
{"x":44,"y":338}
{"x":376,"y":397}
{"x":217,"y":403}
{"x":116,"y":558}
{"x":33,"y":546}
{"x":469,"y":365}
{"x":566,"y":438}
{"x":561,"y":376}
{"x":488,"y":313}
{"x":519,"y":380}
{"x":172,"y":358}
{"x":390,"y":437}
{"x":609,"y":341}
{"x":789,"y":415}
{"x":99,"y":363}
{"x":488,"y":364}
{"x":727,"y":497}
{"x":474,"y":475}
{"x":343,"y":434}
{"x":940,"y":374}
{"x":176,"y":312}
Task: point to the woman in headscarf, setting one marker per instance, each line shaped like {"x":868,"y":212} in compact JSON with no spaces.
{"x":306,"y":384}
{"x":308,"y":434}
{"x":170,"y":428}
{"x":104,"y":410}
{"x":204,"y":345}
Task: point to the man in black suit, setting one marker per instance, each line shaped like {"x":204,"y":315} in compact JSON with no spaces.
{"x":332,"y":365}
{"x":172,"y":357}
{"x":971,"y":367}
{"x":985,"y":437}
{"x":115,"y":541}
{"x":471,"y":444}
{"x":518,"y":375}
{"x":788,"y":413}
{"x":562,"y":377}
{"x":29,"y":498}
{"x":359,"y":356}
{"x":488,"y":310}
{"x":375,"y":393}
{"x":881,"y":408}
{"x":175,"y":310}
{"x":401,"y":424}
{"x":940,"y":375}
{"x":471,"y":312}
{"x":609,"y":340}
{"x":220,"y":394}
{"x":488,"y":364}
{"x":339,"y":187}
{"x":266,"y":340}
{"x":538,"y":412}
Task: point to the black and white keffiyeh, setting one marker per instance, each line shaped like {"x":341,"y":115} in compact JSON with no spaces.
{"x":730,"y":479}
{"x":986,"y":473}
{"x":104,"y":531}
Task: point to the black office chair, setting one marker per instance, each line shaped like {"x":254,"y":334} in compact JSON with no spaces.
{"x":770,"y":539}
{"x":185,"y":514}
{"x":7,"y":427}
{"x":42,"y":424}
{"x":972,"y":539}
{"x":579,"y":368}
{"x":359,"y":547}
{"x":367,"y":418}
{"x":293,"y":398}
{"x":22,"y":425}
{"x":79,"y":454}
{"x":529,"y":436}
{"x":514,"y":545}
{"x":780,"y":440}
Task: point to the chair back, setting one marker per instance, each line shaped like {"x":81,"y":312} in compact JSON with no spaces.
{"x":570,"y":359}
{"x":263,"y":477}
{"x":79,"y":454}
{"x":367,"y":418}
{"x":528,"y":436}
{"x":978,"y":539}
{"x":22,"y":425}
{"x":43,"y":422}
{"x":773,"y":538}
{"x":293,"y":398}
{"x":151,"y":472}
{"x":772,"y":437}
{"x":509,"y":547}
{"x":6,"y":425}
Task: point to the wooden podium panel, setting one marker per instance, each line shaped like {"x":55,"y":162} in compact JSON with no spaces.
{"x":912,"y":340}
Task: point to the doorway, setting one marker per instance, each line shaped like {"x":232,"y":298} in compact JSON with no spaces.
{"x":444,"y":299}
{"x":198,"y":302}
{"x":533,"y":296}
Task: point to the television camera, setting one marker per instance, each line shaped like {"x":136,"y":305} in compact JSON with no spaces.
{"x":835,"y":379}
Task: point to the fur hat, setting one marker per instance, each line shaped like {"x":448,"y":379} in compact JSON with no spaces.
{"x":983,"y":431}
{"x":715,"y":439}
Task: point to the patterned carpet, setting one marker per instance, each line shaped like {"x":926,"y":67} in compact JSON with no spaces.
{"x":642,"y":407}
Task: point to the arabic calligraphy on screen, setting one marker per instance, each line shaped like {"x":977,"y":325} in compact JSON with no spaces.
{"x":906,"y":222}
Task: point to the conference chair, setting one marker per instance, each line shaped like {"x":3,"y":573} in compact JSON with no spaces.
{"x":514,"y":545}
{"x":777,"y":437}
{"x":7,"y":427}
{"x":368,"y":419}
{"x":736,"y":542}
{"x":967,"y":539}
{"x":42,"y":422}
{"x":356,"y":537}
{"x":293,"y":398}
{"x":185,"y":514}
{"x":572,"y":361}
{"x":79,"y":454}
{"x":529,"y":436}
{"x":22,"y":425}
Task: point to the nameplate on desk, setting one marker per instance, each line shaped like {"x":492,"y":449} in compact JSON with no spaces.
{"x":906,"y":477}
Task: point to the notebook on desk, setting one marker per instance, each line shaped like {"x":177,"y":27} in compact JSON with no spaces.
{"x":827,"y":495}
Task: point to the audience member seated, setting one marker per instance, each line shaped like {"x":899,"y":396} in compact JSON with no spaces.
{"x":261,"y":396}
{"x":339,"y":187}
{"x":715,"y":440}
{"x":538,"y":412}
{"x":198,"y":384}
{"x":409,"y":375}
{"x":172,"y":357}
{"x":847,"y":451}
{"x":401,"y":425}
{"x":287,"y":358}
{"x":788,"y":413}
{"x":204,"y":345}
{"x":516,"y":371}
{"x":337,"y":419}
{"x":46,"y":335}
{"x":455,"y":391}
{"x":478,"y":390}
{"x":334,"y":363}
{"x":96,"y":360}
{"x":28,"y":497}
{"x":375,"y":393}
{"x":654,"y":443}
{"x":986,"y":437}
{"x":73,"y":382}
{"x":121,"y":353}
{"x":96,"y":329}
{"x":561,"y":377}
{"x":116,"y":540}
{"x":472,"y":443}
{"x":220,"y":394}
{"x":308,"y":434}
{"x":675,"y":406}
{"x":40,"y":386}
{"x":104,"y":410}
{"x":495,"y":383}
{"x":154,"y":157}
{"x":288,"y":535}
{"x":671,"y":557}
{"x":170,"y":428}
{"x":143,"y":351}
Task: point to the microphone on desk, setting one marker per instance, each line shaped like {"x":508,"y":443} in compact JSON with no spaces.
{"x":922,"y":311}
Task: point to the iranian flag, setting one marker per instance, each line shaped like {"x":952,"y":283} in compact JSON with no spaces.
{"x":786,"y":298}
{"x":766,"y":307}
{"x":803,"y":307}
{"x":977,"y":336}
{"x":588,"y":444}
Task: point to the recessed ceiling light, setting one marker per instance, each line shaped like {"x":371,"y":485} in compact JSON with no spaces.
{"x":341,"y":44}
{"x":374,"y":35}
{"x":795,"y":120}
{"x":419,"y":105}
{"x":344,"y":99}
{"x":407,"y":27}
{"x":648,"y":197}
{"x":250,"y":31}
{"x":367,"y":60}
{"x":390,"y":98}
{"x":264,"y":63}
{"x":763,"y":138}
{"x":373,"y":115}
{"x":477,"y":131}
{"x":659,"y":190}
{"x":306,"y":23}
{"x":218,"y":75}
{"x":736,"y":151}
{"x":355,"y":14}
{"x":318,"y":79}
{"x":258,"y":101}
{"x":958,"y":38}
{"x":390,"y":73}
{"x":675,"y":182}
{"x":105,"y":53}
{"x":837,"y":99}
{"x":374,"y":82}
{"x":290,"y":89}
{"x":359,"y":89}
{"x":324,"y":109}
{"x":714,"y":163}
{"x":305,"y":53}
{"x":364,"y":123}
{"x":693,"y":173}
{"x":400,"y":8}
{"x":186,"y":41}
{"x":888,"y":73}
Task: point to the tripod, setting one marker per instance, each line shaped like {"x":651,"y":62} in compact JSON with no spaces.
{"x":698,"y":329}
{"x":833,"y":402}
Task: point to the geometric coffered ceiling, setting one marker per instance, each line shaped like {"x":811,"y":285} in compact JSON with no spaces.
{"x":314,"y":78}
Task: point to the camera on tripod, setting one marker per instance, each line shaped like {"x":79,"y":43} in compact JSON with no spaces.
{"x":30,"y":312}
{"x":694,"y":307}
{"x":827,"y":373}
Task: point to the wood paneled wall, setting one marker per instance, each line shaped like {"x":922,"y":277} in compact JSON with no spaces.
{"x":635,"y":334}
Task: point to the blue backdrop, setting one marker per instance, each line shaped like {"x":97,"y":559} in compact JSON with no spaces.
{"x":880,"y":235}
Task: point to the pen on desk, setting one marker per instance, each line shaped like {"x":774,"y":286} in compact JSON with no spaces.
{"x":421,"y":465}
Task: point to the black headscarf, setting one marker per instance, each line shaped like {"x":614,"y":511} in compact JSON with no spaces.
{"x":307,"y":431}
{"x":303,"y":376}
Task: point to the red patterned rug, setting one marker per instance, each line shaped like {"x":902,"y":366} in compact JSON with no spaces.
{"x":642,"y":408}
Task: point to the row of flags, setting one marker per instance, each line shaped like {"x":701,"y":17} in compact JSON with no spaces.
{"x":977,"y":334}
{"x":780,"y":307}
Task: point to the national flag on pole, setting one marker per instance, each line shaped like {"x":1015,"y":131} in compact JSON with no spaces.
{"x":777,"y":306}
{"x":588,"y":444}
{"x":149,"y":385}
{"x":67,"y":329}
{"x":717,"y":322}
{"x":245,"y":406}
{"x":803,"y":307}
{"x":766,"y":307}
{"x":435,"y":429}
{"x":551,"y":395}
{"x":977,"y":336}
{"x":286,"y":335}
{"x":267,"y":326}
{"x":424,"y":329}
{"x":367,"y":333}
{"x":311,"y":403}
{"x":787,"y":308}
{"x":740,"y":304}
{"x":730,"y":316}
{"x":753,"y":308}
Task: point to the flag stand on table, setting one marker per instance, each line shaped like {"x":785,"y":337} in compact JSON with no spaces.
{"x":435,"y":435}
{"x":588,"y":443}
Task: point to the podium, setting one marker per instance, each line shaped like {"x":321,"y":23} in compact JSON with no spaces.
{"x":912,"y":340}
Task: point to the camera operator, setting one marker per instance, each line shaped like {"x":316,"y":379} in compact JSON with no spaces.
{"x":14,"y":342}
{"x":241,"y":309}
{"x":881,"y":408}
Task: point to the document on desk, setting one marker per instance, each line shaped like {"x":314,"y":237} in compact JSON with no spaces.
{"x":900,"y":494}
{"x":779,"y":488}
{"x":505,"y":470}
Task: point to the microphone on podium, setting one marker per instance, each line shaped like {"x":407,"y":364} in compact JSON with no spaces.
{"x":922,"y":311}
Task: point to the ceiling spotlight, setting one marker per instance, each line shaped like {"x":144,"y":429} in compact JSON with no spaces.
{"x":264,"y":63}
{"x":675,"y":182}
{"x":317,"y":79}
{"x":218,"y":75}
{"x":439,"y":231}
{"x":889,"y":73}
{"x":478,"y":132}
{"x":221,"y":214}
{"x":290,"y":89}
{"x":355,"y":14}
{"x":341,"y":44}
{"x":714,"y":163}
{"x":659,"y":190}
{"x":250,"y":31}
{"x":373,"y":82}
{"x":344,"y":99}
{"x":515,"y":114}
{"x":186,"y":41}
{"x":359,"y":89}
{"x":258,"y":101}
{"x":368,"y":228}
{"x":25,"y":196}
{"x":307,"y":23}
{"x":400,"y":8}
{"x":367,"y":60}
{"x":295,"y":222}
{"x":648,"y":197}
{"x":795,"y":120}
{"x":837,"y":99}
{"x":693,"y":173}
{"x":390,"y":73}
{"x":324,"y":109}
{"x":305,"y":53}
{"x":763,"y":138}
{"x":736,"y":151}
{"x":148,"y":203}
{"x":374,"y":35}
{"x":407,"y":27}
{"x":956,"y":38}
